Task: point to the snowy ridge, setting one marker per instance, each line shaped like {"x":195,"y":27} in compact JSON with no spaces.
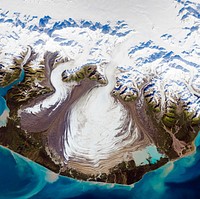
{"x":65,"y":36}
{"x":160,"y":68}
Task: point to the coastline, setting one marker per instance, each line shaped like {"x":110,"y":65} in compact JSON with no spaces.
{"x":35,"y":145}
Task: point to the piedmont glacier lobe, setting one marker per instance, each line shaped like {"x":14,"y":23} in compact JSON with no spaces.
{"x":97,"y":129}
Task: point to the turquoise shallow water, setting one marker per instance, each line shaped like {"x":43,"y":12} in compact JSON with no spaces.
{"x":155,"y":155}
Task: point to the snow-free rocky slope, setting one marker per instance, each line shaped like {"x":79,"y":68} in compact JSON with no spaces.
{"x":144,"y":58}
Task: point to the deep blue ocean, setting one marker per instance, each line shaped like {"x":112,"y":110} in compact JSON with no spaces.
{"x":21,"y":178}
